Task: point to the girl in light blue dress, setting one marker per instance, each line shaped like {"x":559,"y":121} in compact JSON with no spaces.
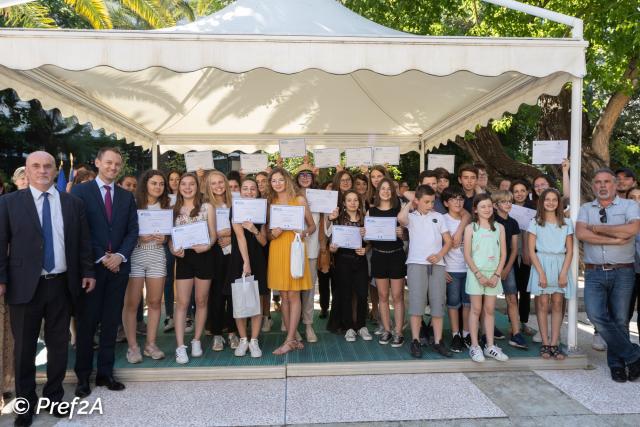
{"x":551,"y":247}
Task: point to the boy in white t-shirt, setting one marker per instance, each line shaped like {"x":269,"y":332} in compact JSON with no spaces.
{"x":456,"y":272}
{"x":425,"y":266}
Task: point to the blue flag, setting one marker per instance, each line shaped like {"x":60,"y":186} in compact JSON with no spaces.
{"x":61,"y":183}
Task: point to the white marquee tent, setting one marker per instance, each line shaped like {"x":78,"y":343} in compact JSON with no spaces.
{"x":259,"y":71}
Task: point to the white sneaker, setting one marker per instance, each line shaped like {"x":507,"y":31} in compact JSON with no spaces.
{"x":495,"y":352}
{"x":310,"y":334}
{"x":133,"y":355}
{"x":181,"y":355}
{"x":196,"y":348}
{"x":364,"y":334}
{"x":379,"y":330}
{"x":598,"y":343}
{"x":188,"y":326}
{"x":475,"y":352}
{"x":218,"y":343}
{"x":537,"y":337}
{"x":241,"y":349}
{"x":233,"y":341}
{"x":350,"y":336}
{"x":254,"y":348}
{"x":266,"y":324}
{"x":168,"y":325}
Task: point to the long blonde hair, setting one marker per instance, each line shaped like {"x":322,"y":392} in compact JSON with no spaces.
{"x":208,"y":194}
{"x":290,"y":187}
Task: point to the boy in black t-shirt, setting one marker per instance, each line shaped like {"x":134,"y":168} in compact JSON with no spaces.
{"x":502,"y":201}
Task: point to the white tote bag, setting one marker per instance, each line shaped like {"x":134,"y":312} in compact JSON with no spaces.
{"x":297,"y":257}
{"x":246,"y":297}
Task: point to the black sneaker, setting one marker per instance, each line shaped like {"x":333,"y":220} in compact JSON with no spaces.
{"x":385,"y":338}
{"x":416,"y":349}
{"x":398,"y":341}
{"x":426,"y":335}
{"x":467,"y":341}
{"x":442,"y":349}
{"x":457,"y":344}
{"x":497,"y":334}
{"x":619,"y":375}
{"x":634,"y":370}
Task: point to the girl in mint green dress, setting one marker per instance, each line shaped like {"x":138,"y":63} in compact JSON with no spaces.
{"x":551,"y":247}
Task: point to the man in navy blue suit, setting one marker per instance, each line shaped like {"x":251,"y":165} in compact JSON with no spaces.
{"x":113,"y":221}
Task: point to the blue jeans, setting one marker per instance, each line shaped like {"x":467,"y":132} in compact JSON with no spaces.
{"x":168,"y":283}
{"x":456,"y":294}
{"x":606,"y":298}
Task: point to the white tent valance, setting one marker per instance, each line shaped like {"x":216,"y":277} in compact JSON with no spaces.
{"x":257,"y":71}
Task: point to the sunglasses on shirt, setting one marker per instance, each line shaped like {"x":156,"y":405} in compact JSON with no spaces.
{"x":603,"y":215}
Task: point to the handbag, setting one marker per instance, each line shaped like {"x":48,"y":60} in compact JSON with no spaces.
{"x":245,"y":297}
{"x":297,"y":257}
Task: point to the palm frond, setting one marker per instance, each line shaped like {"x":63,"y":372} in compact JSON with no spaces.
{"x":184,"y":10}
{"x":94,"y":11}
{"x":151,"y":11}
{"x":30,"y":15}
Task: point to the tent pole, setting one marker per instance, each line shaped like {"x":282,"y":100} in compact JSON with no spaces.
{"x":421,"y":145}
{"x":575,"y":179}
{"x":154,"y":154}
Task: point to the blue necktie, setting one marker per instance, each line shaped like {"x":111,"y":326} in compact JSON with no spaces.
{"x":47,"y":232}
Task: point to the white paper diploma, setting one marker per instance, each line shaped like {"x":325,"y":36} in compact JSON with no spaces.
{"x":345,"y":236}
{"x":359,"y":156}
{"x":322,"y":201}
{"x":249,"y":210}
{"x":222,"y":219}
{"x":252,"y":163}
{"x":522,"y":215}
{"x":386,"y":155}
{"x":549,"y":152}
{"x":446,"y":161}
{"x":380,"y":228}
{"x":198,"y":160}
{"x":189,"y":235}
{"x":172,"y":199}
{"x":154,"y":221}
{"x":326,"y":158}
{"x":286,"y":217}
{"x":292,"y":148}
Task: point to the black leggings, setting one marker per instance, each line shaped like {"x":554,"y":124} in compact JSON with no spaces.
{"x":351,"y":282}
{"x":522,"y":272}
{"x":325,"y":285}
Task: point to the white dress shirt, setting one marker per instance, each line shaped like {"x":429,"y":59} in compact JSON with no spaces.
{"x":57,"y":226}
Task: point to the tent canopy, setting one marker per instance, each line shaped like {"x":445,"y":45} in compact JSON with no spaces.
{"x":258,"y":71}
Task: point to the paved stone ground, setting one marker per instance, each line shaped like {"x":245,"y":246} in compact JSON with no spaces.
{"x":579,"y":398}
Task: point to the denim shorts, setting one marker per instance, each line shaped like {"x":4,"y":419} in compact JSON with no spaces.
{"x":509,"y":285}
{"x":456,"y":294}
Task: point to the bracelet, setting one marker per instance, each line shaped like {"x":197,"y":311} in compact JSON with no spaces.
{"x":497,"y":275}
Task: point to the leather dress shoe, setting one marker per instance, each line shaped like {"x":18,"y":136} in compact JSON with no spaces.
{"x":24,"y":420}
{"x":634,"y":370}
{"x":110,"y":383}
{"x":619,"y":375}
{"x":83,"y":389}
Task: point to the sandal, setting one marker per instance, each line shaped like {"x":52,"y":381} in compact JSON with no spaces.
{"x":286,"y":348}
{"x":299,"y":345}
{"x":545,"y":352}
{"x":556,"y":353}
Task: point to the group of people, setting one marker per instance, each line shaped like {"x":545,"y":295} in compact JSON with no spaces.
{"x":79,"y":254}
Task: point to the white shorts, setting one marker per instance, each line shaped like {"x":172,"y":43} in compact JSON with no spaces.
{"x":148,"y":262}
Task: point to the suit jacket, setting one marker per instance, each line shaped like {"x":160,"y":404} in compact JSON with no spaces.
{"x":121,"y":232}
{"x":22,"y":243}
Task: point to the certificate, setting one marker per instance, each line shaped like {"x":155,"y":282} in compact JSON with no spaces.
{"x":522,"y":215}
{"x":198,"y":160}
{"x":189,"y":235}
{"x":172,"y":199}
{"x":222,"y":219}
{"x":386,"y":155}
{"x":549,"y":152}
{"x":380,"y":228}
{"x":252,"y":163}
{"x":249,"y":210}
{"x":286,"y":217}
{"x":326,"y":158}
{"x":322,"y":201}
{"x":346,"y":236}
{"x":292,"y":148}
{"x":154,"y":221}
{"x":359,"y":156}
{"x":446,"y":161}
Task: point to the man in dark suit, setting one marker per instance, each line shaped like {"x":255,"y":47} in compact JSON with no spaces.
{"x":113,"y":221}
{"x":45,"y":262}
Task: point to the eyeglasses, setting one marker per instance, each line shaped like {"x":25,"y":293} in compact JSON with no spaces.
{"x":603,"y":215}
{"x":457,"y":199}
{"x":345,"y":180}
{"x":306,"y":174}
